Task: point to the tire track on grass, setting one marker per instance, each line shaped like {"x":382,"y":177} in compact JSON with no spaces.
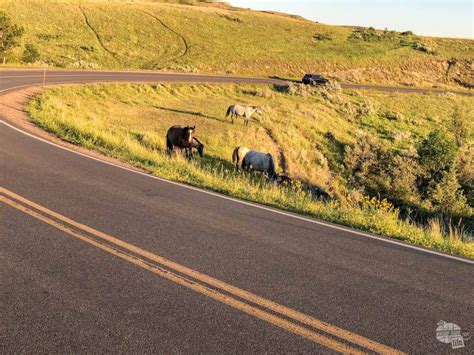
{"x":180,"y":36}
{"x":97,"y":37}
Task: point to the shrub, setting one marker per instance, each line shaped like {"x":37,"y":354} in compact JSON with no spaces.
{"x":437,"y":153}
{"x":47,"y":36}
{"x":346,"y":107}
{"x":10,"y":33}
{"x":261,"y":92}
{"x":423,"y":47}
{"x":30,"y":54}
{"x":465,"y":173}
{"x":331,"y":92}
{"x":380,"y":171}
{"x":401,"y":136}
{"x":322,"y":37}
{"x":366,"y":161}
{"x":366,"y":108}
{"x":332,"y":86}
{"x":366,"y":34}
{"x":296,"y":89}
{"x":404,"y":171}
{"x":447,"y":196}
{"x":460,"y":127}
{"x":372,"y":35}
{"x":391,"y":115}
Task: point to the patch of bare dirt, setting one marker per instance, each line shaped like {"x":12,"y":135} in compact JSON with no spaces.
{"x":12,"y":111}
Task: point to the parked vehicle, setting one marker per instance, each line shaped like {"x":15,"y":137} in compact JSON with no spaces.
{"x":314,"y":79}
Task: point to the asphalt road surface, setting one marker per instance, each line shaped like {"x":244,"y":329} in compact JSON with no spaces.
{"x":11,"y":79}
{"x":98,"y":258}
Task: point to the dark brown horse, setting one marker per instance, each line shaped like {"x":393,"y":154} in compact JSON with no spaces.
{"x":180,"y":137}
{"x":284,"y":180}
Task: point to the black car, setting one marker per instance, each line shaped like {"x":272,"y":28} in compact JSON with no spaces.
{"x":314,"y":79}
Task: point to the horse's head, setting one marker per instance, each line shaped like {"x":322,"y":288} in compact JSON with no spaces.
{"x":199,"y":146}
{"x":273,"y":179}
{"x":271,"y":168}
{"x":284,"y":180}
{"x":188,"y":133}
{"x":200,"y":150}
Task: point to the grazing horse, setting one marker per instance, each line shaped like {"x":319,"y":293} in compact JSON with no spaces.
{"x":180,"y":137}
{"x":259,"y":161}
{"x":238,"y":156}
{"x":284,"y":180}
{"x":315,"y":191}
{"x":198,"y":145}
{"x":242,"y":111}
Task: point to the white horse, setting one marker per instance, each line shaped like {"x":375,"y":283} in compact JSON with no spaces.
{"x":238,"y":155}
{"x":242,"y":111}
{"x":259,"y":161}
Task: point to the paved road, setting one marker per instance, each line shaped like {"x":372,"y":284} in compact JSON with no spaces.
{"x":97,"y":258}
{"x":9,"y":79}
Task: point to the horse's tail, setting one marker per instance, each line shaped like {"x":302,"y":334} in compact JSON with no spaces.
{"x":169,"y":145}
{"x":228,"y":111}
{"x":235,"y":155}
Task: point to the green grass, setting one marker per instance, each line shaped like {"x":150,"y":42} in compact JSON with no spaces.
{"x":216,"y":38}
{"x":129,"y":122}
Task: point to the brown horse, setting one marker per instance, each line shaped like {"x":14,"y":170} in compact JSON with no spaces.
{"x":180,"y":137}
{"x":284,"y":180}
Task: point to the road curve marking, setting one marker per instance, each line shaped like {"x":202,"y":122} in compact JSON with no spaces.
{"x":247,"y":203}
{"x":188,"y":277}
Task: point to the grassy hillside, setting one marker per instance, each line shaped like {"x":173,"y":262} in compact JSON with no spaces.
{"x":216,"y":38}
{"x":308,"y":133}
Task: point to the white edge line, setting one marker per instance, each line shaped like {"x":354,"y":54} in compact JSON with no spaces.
{"x":314,"y":221}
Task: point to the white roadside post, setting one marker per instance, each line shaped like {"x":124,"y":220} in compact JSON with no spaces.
{"x":1,"y":36}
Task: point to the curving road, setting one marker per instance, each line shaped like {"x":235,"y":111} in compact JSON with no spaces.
{"x":99,"y":258}
{"x":12,"y":79}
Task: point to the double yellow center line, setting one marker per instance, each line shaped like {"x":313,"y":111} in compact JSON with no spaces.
{"x":291,"y":320}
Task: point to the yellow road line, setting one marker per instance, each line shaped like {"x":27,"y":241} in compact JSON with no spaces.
{"x":275,"y":307}
{"x":189,"y":283}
